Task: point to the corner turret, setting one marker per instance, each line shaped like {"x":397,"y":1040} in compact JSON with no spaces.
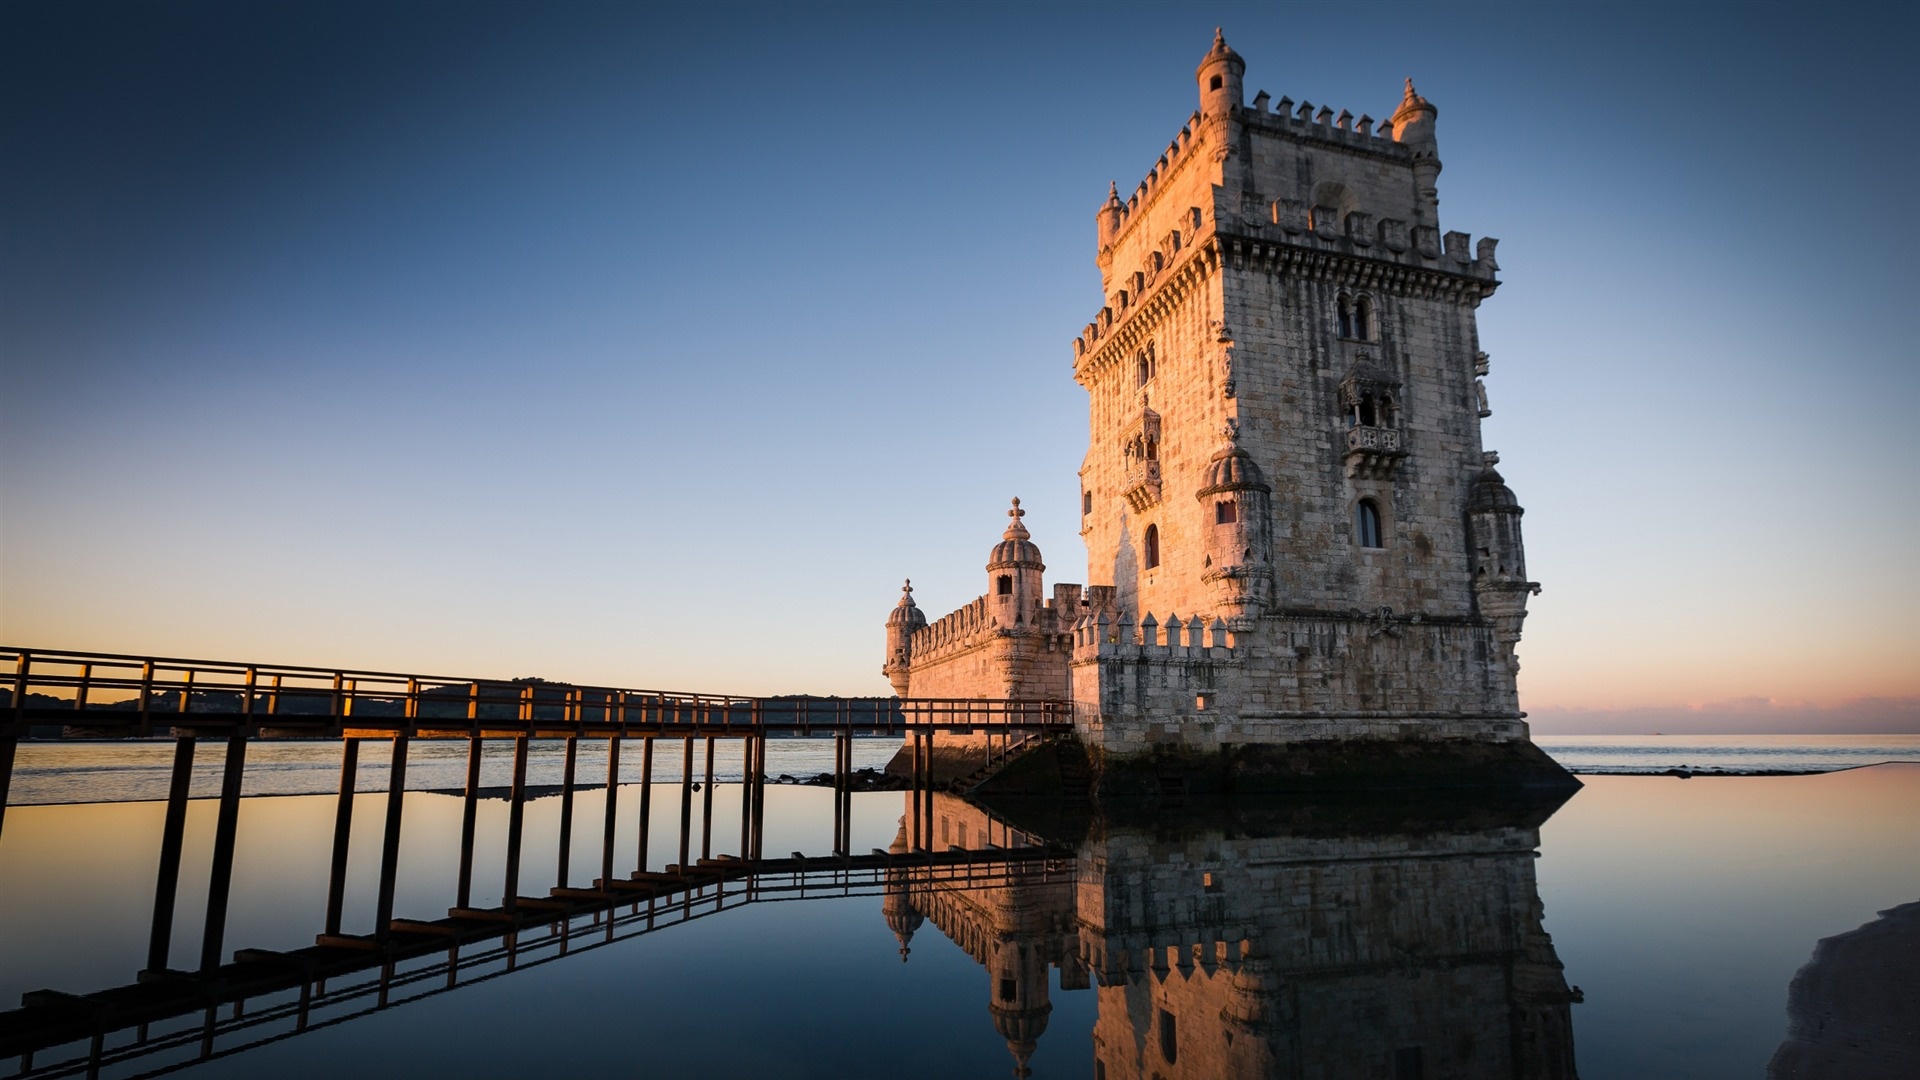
{"x":1500,"y":585}
{"x":1413,"y":128}
{"x":902,"y":623}
{"x":1014,"y":575}
{"x":1219,"y":76}
{"x":1235,"y":514}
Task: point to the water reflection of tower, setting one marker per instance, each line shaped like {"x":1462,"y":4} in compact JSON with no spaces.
{"x":1282,"y":941}
{"x":1016,"y":924}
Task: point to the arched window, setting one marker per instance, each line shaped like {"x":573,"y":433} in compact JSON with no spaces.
{"x":1151,"y":544}
{"x":1365,"y":412}
{"x":1226,"y":512}
{"x":1143,"y":366}
{"x":1363,"y":318}
{"x":1367,"y":524}
{"x":1086,"y":503}
{"x":1005,"y":585}
{"x":1343,"y":316}
{"x":1169,"y":1039}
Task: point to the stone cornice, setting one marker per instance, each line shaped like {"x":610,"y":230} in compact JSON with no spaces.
{"x":1344,"y":268}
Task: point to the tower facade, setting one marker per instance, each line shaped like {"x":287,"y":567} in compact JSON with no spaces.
{"x":1293,"y":531}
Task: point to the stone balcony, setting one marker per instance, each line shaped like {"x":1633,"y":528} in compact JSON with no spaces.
{"x":1373,"y":452}
{"x":1142,"y":484}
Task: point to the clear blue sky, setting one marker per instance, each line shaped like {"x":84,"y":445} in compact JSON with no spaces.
{"x":653,"y":345}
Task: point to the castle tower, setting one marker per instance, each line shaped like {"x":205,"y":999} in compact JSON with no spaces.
{"x":1280,"y":278}
{"x":902,"y":622}
{"x":1293,"y":536}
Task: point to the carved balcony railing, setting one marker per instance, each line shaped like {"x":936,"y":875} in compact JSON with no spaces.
{"x":1142,"y":484}
{"x":1373,"y":451}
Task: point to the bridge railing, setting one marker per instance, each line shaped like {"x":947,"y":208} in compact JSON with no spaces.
{"x":139,"y":695}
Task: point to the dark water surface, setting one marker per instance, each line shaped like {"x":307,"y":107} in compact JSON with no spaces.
{"x":1363,"y":939}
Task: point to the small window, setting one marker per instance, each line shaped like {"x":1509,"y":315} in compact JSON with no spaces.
{"x":1169,"y":1038}
{"x":1144,"y":366}
{"x":1152,"y":547}
{"x":1343,"y":316}
{"x":1367,"y":524}
{"x":1006,"y":989}
{"x":1226,"y":512}
{"x":1363,"y":318}
{"x":1086,"y":503}
{"x":1005,"y":585}
{"x":1213,"y":83}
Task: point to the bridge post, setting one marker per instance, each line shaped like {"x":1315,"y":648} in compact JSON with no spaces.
{"x":342,"y":833}
{"x":516,"y":819}
{"x":566,"y":811}
{"x":613,"y":799}
{"x":166,"y":885}
{"x":220,"y":878}
{"x":686,"y":796}
{"x":759,"y":793}
{"x":469,"y":813}
{"x":646,"y":796}
{"x":746,"y":796}
{"x":706,"y":807}
{"x":390,"y":840}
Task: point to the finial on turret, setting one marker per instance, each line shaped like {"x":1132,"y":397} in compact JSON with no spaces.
{"x":1219,"y":39}
{"x":1412,"y":102}
{"x":1016,"y":530}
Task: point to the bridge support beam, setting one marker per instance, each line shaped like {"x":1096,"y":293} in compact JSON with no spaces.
{"x":342,"y":833}
{"x":220,"y":877}
{"x":610,"y":822}
{"x":516,"y":821}
{"x":166,"y":884}
{"x":646,"y":797}
{"x":566,"y":812}
{"x":469,"y":815}
{"x":390,"y":838}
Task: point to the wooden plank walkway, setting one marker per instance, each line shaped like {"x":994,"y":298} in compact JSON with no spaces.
{"x":113,"y":694}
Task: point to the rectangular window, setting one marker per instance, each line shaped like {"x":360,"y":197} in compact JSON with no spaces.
{"x":1226,"y":512}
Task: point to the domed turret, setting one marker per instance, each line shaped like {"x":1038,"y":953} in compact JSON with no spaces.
{"x":1498,"y":557}
{"x":1112,"y":215}
{"x":1014,"y":574}
{"x":1219,"y":76}
{"x":1413,"y":128}
{"x":902,"y":622}
{"x":1235,"y":503}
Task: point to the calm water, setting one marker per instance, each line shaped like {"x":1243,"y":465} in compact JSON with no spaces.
{"x":116,"y":771}
{"x":1332,"y":941}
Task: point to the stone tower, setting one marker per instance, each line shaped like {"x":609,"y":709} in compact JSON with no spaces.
{"x":1294,"y":534}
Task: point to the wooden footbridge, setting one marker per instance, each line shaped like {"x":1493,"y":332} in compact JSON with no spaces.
{"x":57,"y":694}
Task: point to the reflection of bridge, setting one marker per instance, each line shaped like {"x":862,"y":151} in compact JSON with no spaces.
{"x":275,"y":995}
